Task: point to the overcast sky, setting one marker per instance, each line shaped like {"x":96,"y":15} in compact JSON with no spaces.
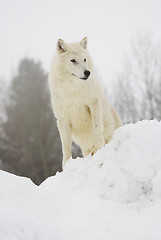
{"x":31,"y":28}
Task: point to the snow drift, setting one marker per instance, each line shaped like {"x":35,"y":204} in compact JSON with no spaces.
{"x":114,"y":195}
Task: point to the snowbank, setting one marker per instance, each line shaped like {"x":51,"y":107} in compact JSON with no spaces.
{"x":114,"y":195}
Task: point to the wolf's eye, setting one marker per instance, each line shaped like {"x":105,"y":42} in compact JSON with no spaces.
{"x":85,"y":60}
{"x":73,"y":61}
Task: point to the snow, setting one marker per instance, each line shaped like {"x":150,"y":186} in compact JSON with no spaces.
{"x":114,"y":195}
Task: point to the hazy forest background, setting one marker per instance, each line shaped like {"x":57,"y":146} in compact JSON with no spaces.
{"x":29,"y":139}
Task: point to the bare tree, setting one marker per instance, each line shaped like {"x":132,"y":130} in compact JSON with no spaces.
{"x":137,"y":91}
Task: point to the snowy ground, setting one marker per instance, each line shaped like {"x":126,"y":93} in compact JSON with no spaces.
{"x":114,"y":195}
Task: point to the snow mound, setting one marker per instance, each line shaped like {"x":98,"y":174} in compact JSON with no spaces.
{"x":114,"y":195}
{"x":128,"y":169}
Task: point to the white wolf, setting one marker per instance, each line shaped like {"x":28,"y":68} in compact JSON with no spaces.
{"x":82,"y":112}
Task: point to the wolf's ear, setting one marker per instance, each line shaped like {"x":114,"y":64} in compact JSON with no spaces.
{"x":61,"y":46}
{"x":83,"y":43}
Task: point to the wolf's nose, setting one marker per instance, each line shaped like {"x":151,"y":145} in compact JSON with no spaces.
{"x":86,"y":73}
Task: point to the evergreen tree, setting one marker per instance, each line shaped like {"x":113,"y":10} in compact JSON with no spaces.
{"x":31,"y":145}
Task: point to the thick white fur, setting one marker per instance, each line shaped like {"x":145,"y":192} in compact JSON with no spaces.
{"x":81,"y":109}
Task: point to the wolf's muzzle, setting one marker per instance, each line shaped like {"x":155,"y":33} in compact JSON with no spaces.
{"x":86,"y":75}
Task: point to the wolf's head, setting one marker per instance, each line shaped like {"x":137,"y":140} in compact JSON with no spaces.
{"x":74,"y":60}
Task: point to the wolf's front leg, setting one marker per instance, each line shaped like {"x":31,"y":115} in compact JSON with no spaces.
{"x":65,"y":135}
{"x":97,"y":125}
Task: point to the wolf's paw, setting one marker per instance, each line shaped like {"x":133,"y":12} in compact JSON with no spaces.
{"x":98,"y":145}
{"x":95,"y":150}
